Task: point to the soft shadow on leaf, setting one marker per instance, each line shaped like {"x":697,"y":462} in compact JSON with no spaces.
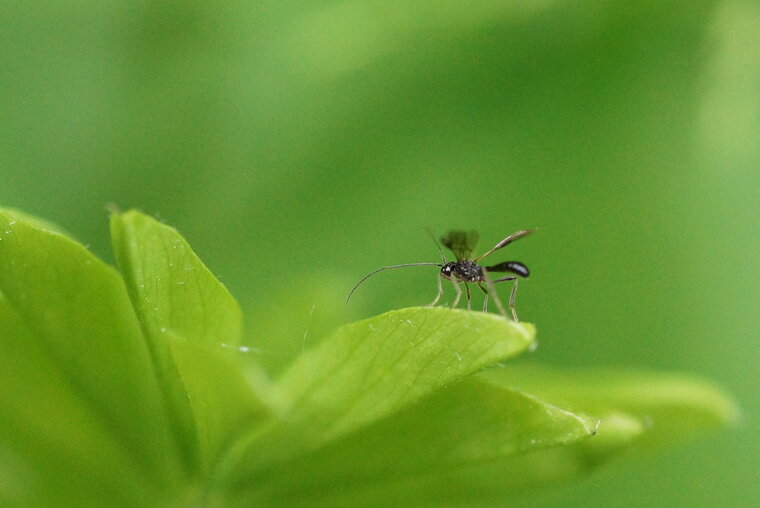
{"x":193,"y":326}
{"x":84,"y":374}
{"x":371,"y":369}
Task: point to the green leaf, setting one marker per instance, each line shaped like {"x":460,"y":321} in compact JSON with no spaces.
{"x":668,"y":406}
{"x":47,"y":427}
{"x":485,"y":440}
{"x":636,"y":410}
{"x":112,"y":394}
{"x":171,"y":288}
{"x":371,"y":369}
{"x":193,"y":326}
{"x":466,"y":424}
{"x":36,"y":222}
{"x":79,"y":389}
{"x":493,"y":482}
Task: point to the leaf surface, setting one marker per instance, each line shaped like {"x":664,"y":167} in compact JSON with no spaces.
{"x":467,"y":424}
{"x":632,"y":410}
{"x":371,"y":369}
{"x":128,"y":388}
{"x":47,"y":428}
{"x":193,"y":326}
{"x":669,"y":406}
{"x":76,"y":368}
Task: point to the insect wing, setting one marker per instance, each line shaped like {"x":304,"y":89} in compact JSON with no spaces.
{"x":511,"y":238}
{"x":461,"y":243}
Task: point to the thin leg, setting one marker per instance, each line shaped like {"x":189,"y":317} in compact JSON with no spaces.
{"x":494,"y":296}
{"x":485,"y":297}
{"x":438,"y":296}
{"x":512,"y":296}
{"x":459,"y":294}
{"x":469,"y":303}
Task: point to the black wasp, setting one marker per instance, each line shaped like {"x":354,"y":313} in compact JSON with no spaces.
{"x":467,"y":271}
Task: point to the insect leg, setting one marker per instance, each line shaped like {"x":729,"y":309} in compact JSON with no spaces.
{"x":469,"y":303}
{"x":512,"y":296}
{"x":459,"y":294}
{"x":485,"y":297}
{"x":494,"y":296}
{"x":438,"y":296}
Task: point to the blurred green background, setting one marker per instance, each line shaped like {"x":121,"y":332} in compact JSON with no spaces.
{"x":299,"y":145}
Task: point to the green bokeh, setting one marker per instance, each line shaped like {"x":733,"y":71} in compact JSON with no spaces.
{"x":297,"y":147}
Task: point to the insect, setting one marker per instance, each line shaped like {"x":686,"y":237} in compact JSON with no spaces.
{"x":467,"y":271}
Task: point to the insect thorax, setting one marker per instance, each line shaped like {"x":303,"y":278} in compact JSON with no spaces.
{"x":463,"y":270}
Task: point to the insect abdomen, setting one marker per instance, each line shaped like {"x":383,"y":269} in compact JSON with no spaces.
{"x":510,"y":266}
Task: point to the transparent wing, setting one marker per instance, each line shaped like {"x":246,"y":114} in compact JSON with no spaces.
{"x":511,"y":238}
{"x":461,"y":243}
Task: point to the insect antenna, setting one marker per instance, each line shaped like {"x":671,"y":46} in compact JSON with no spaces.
{"x":438,"y":245}
{"x":373,"y":272}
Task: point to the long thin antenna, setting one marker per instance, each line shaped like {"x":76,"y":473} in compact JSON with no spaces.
{"x":370,"y":274}
{"x":438,"y":246}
